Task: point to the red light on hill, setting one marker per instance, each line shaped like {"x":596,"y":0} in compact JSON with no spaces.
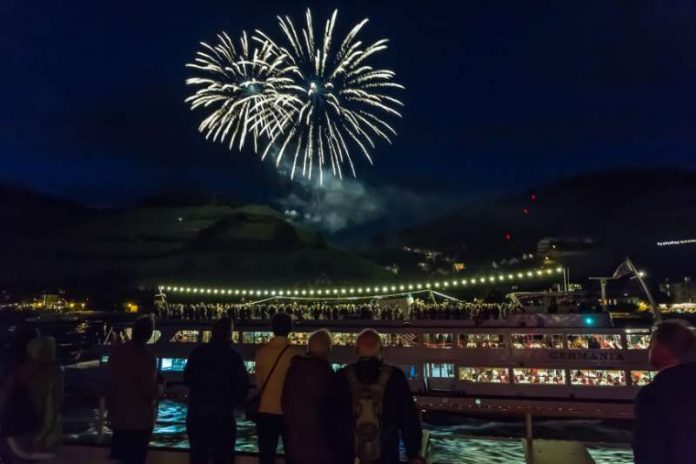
{"x":533,"y":196}
{"x":508,"y":236}
{"x":525,"y":210}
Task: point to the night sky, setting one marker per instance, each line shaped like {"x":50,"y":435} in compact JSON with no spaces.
{"x":499,"y":95}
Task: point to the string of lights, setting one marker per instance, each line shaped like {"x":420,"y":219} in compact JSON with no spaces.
{"x":365,"y":289}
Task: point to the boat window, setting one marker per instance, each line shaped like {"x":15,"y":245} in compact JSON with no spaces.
{"x":185,"y":336}
{"x":405,"y":340}
{"x":597,"y":377}
{"x":172,"y":364}
{"x":536,"y":341}
{"x":640,"y":378}
{"x":439,"y":370}
{"x":638,"y":341}
{"x":438,"y":340}
{"x":539,"y":376}
{"x":481,"y":341}
{"x":299,"y":338}
{"x":206,"y":336}
{"x":250,"y":366}
{"x":343,"y":339}
{"x":483,"y":374}
{"x":594,"y":342}
{"x":256,"y":338}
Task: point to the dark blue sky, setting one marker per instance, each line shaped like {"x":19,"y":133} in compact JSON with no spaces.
{"x":499,"y":94}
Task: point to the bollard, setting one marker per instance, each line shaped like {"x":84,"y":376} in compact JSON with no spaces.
{"x":101,"y":418}
{"x":529,"y":435}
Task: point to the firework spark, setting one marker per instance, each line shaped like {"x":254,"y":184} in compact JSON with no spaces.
{"x":244,"y":85}
{"x":338,"y":101}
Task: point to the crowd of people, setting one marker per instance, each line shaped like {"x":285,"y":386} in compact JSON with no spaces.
{"x":363,"y":411}
{"x":368,"y":310}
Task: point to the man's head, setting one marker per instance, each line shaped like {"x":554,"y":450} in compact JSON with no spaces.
{"x":222,"y":331}
{"x":368,"y":344}
{"x":319,"y":344}
{"x":281,"y":324}
{"x":672,"y":342}
{"x":142,"y":329}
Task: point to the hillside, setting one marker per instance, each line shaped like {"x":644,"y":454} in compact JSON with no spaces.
{"x":143,"y":246}
{"x":624,"y":212}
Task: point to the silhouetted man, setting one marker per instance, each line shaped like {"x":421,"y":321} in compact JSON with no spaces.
{"x":309,"y":404}
{"x":134,"y":388}
{"x":377,"y":408}
{"x":665,"y":410}
{"x":218,"y":382}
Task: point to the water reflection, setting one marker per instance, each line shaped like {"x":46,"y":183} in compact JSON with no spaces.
{"x":454,"y":442}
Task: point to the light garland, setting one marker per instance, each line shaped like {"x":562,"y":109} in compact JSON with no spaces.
{"x":362,"y":290}
{"x":688,"y":241}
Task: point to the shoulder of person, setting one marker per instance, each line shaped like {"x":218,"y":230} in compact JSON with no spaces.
{"x":647,"y":394}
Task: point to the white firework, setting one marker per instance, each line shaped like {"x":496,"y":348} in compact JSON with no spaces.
{"x":245,"y":86}
{"x":337,"y":101}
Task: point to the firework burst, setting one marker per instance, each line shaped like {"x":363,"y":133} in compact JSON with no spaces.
{"x":338,"y":100}
{"x":307,"y":102}
{"x":245,"y":88}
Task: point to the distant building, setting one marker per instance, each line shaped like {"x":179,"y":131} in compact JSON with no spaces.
{"x":561,"y":245}
{"x":680,"y":292}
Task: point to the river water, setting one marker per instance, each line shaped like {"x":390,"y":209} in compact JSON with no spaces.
{"x":455,"y":439}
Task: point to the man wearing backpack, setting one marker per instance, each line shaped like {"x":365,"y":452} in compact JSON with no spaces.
{"x":377,"y":406}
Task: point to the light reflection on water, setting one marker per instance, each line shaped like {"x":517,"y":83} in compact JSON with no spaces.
{"x":451,"y":443}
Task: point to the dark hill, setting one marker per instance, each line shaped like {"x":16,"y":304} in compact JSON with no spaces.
{"x":140,"y":247}
{"x":625,"y":213}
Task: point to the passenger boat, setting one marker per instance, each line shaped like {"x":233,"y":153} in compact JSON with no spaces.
{"x":552,"y":364}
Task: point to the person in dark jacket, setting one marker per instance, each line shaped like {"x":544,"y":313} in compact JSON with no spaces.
{"x":218,"y":382}
{"x":309,"y":404}
{"x":134,"y":388}
{"x":398,"y":417}
{"x":665,"y":410}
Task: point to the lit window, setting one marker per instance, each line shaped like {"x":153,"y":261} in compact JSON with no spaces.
{"x":172,"y":364}
{"x":299,"y":338}
{"x":185,"y":336}
{"x":483,"y":374}
{"x":439,"y":340}
{"x":343,"y":339}
{"x":640,"y":378}
{"x":539,"y":376}
{"x":250,"y":367}
{"x":597,"y":377}
{"x":206,"y":336}
{"x":439,"y":370}
{"x":594,"y":342}
{"x":536,"y":341}
{"x":336,"y":367}
{"x":481,"y":341}
{"x":256,"y":338}
{"x":638,"y":341}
